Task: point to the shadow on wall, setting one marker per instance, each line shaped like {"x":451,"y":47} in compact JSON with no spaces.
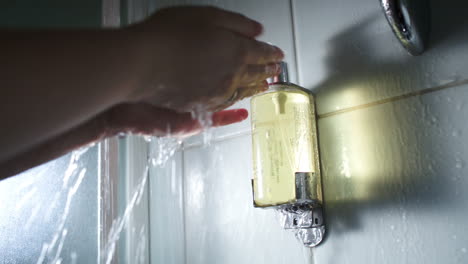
{"x":366,"y":62}
{"x":387,"y":159}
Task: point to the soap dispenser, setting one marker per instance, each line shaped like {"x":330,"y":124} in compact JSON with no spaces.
{"x":286,"y":159}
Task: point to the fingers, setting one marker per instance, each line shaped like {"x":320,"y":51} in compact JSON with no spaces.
{"x":184,"y":124}
{"x":234,"y":22}
{"x":251,"y":90}
{"x":258,"y":52}
{"x":258,"y":72}
{"x":243,"y":92}
{"x":141,"y":118}
{"x":228,"y":117}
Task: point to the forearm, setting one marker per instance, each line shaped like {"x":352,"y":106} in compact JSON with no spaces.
{"x":87,"y":133}
{"x":53,"y":81}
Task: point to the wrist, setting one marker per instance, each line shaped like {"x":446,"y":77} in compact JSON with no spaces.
{"x":140,"y":48}
{"x":130,"y":67}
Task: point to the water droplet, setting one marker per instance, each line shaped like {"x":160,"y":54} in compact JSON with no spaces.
{"x":459,"y":165}
{"x":463,"y":250}
{"x":455,"y":133}
{"x":163,"y":150}
{"x":205,"y":118}
{"x":392,"y":227}
{"x":73,"y":257}
{"x":430,"y":168}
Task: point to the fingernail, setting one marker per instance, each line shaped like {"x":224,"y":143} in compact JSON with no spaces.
{"x":242,"y":113}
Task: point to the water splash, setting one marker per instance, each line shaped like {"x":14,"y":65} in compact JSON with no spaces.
{"x":141,"y":246}
{"x":163,"y":150}
{"x":72,"y":180}
{"x":25,"y":198}
{"x":73,"y":257}
{"x":205,"y":118}
{"x":119,"y":223}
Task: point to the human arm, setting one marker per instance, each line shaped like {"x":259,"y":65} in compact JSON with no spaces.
{"x":136,"y":118}
{"x":53,"y":82}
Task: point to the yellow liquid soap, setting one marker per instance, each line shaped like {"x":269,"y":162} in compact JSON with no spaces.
{"x":284,"y":140}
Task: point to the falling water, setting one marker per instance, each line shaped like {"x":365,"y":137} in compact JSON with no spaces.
{"x":119,"y":223}
{"x":165,"y":149}
{"x":72,"y":180}
{"x":204,"y":117}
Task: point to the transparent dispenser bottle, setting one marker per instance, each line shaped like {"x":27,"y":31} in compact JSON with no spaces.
{"x":285,"y":157}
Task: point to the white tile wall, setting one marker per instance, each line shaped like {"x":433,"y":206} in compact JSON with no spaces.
{"x":394,"y":174}
{"x":348,"y":54}
{"x":167,"y":212}
{"x":395,"y":181}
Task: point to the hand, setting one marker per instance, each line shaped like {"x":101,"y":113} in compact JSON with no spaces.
{"x":146,"y":119}
{"x":202,"y":56}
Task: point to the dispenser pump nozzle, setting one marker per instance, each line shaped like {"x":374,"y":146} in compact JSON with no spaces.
{"x":283,"y":77}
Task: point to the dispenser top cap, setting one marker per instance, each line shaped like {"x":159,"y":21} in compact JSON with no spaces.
{"x":283,"y":77}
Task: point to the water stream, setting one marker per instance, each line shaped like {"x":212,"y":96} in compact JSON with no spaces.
{"x":73,"y":177}
{"x":165,"y":149}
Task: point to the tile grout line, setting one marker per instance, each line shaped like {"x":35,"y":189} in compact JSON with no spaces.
{"x":453,"y":84}
{"x":294,"y":39}
{"x":184,"y":220}
{"x":218,"y":139}
{"x":342,"y":111}
{"x":148,"y":189}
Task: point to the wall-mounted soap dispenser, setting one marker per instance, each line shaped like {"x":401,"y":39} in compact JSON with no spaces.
{"x":285,"y":157}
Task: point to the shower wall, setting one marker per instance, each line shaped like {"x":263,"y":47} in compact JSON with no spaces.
{"x":392,"y":132}
{"x":392,"y":142}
